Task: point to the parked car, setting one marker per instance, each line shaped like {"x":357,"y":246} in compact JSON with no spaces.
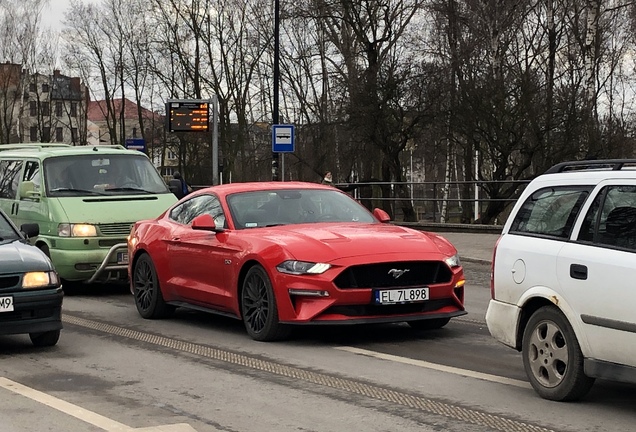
{"x":84,"y":199}
{"x":280,"y":253}
{"x":30,"y":290}
{"x":562,"y":278}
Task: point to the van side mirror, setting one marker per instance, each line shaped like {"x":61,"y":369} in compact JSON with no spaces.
{"x":27,"y":191}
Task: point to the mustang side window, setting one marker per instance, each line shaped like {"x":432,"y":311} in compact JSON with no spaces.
{"x":550,"y":211}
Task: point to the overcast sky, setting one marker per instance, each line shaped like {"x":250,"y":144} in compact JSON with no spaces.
{"x":54,"y":13}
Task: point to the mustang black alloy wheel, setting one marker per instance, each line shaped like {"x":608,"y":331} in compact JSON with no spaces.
{"x":258,"y":307}
{"x":148,"y":297}
{"x":552,"y":357}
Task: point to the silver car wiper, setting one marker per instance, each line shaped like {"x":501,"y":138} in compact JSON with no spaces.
{"x":63,"y":189}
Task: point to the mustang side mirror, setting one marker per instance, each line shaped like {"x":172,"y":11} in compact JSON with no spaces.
{"x":381,"y":215}
{"x":205,"y":222}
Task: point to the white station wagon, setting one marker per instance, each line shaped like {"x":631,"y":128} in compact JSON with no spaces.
{"x":564,"y":278}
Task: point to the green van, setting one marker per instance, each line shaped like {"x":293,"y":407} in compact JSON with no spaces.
{"x":85,"y":200}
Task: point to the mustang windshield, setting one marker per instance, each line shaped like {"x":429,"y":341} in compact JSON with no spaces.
{"x":294,"y":206}
{"x":110,"y":174}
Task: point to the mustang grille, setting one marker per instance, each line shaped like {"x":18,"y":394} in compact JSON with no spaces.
{"x":118,"y":229}
{"x":394,"y":274}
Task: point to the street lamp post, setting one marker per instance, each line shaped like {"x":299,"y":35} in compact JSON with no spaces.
{"x":275,"y":155}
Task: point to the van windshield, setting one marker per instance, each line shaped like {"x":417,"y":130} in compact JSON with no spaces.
{"x":110,"y":174}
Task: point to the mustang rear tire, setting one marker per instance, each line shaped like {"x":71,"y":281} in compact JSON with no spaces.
{"x":258,"y":307}
{"x":148,"y":298}
{"x":429,"y":324}
{"x":45,"y":339}
{"x":552,"y":357}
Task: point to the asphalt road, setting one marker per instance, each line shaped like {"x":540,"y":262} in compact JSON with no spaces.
{"x":114,"y":371}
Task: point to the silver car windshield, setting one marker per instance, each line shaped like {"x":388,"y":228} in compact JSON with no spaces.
{"x":294,"y":206}
{"x":110,"y":174}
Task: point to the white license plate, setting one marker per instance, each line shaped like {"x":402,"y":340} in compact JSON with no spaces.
{"x":404,"y":295}
{"x":6,"y":304}
{"x":122,"y":257}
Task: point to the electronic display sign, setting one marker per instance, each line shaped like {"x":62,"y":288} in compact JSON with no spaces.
{"x":188,"y":116}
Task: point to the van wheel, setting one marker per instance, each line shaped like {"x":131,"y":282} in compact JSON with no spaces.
{"x":148,"y":297}
{"x":45,"y":339}
{"x":552,"y":357}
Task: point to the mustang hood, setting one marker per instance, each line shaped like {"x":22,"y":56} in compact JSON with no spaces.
{"x":18,"y":257}
{"x":327,"y":242}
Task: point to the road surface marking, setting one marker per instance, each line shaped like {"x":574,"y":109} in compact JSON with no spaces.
{"x":83,"y":414}
{"x":438,"y":367}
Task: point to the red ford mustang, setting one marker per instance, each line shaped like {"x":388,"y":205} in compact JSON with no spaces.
{"x":280,"y":253}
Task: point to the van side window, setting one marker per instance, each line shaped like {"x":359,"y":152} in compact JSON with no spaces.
{"x":32,"y":174}
{"x":551,"y":211}
{"x":9,"y":178}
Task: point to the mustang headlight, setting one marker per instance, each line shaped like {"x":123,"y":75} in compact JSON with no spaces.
{"x":40,"y":279}
{"x":302,"y":267}
{"x":76,"y":230}
{"x":453,"y":261}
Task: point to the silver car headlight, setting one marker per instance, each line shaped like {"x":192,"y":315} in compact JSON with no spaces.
{"x":40,"y":279}
{"x":76,"y":230}
{"x":302,"y":267}
{"x":453,"y":261}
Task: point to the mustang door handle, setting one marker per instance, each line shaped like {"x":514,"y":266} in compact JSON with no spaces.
{"x":578,"y":271}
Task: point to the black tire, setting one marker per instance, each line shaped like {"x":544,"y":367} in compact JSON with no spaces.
{"x":552,"y":357}
{"x":429,"y":324}
{"x":45,"y":339}
{"x":147,"y":292}
{"x":258,"y":307}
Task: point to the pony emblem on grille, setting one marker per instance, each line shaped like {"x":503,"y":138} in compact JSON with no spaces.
{"x":397,"y":273}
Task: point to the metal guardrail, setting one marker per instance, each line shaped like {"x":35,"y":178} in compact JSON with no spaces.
{"x":429,"y":201}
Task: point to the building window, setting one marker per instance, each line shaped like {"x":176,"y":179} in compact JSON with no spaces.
{"x":33,"y":87}
{"x":168,"y":171}
{"x":171,"y":155}
{"x":33,"y":108}
{"x":33,"y":134}
{"x":58,"y":109}
{"x":46,"y":109}
{"x":45,"y":88}
{"x":73,"y":109}
{"x":46,"y":134}
{"x":59,"y":134}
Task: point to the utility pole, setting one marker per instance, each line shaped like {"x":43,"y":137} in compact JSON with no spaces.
{"x":275,"y":155}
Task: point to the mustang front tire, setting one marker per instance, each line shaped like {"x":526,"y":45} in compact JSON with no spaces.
{"x":552,"y":357}
{"x":148,"y":298}
{"x":258,"y":307}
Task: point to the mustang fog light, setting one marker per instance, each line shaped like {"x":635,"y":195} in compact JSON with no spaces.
{"x":308,"y":293}
{"x":39,"y":279}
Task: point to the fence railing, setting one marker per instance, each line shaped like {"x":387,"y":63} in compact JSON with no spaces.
{"x":433,"y":201}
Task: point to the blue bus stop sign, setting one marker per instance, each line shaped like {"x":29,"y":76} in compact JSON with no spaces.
{"x":136,"y":144}
{"x":283,"y":138}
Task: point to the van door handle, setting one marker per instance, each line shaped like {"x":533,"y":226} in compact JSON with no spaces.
{"x":578,"y":271}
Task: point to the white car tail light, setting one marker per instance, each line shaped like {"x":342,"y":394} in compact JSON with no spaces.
{"x":492,"y":269}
